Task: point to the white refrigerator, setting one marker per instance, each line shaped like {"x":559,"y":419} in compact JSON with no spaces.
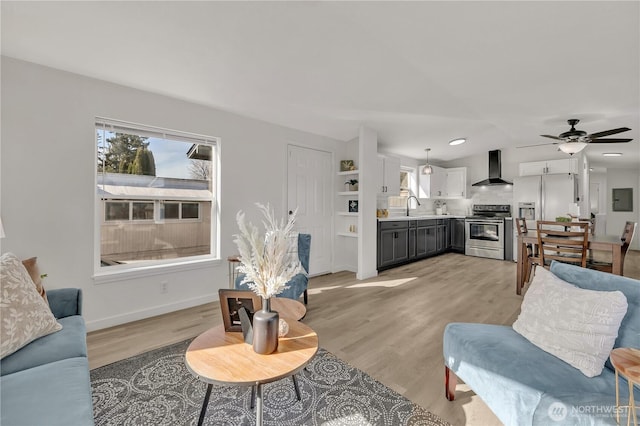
{"x":550,"y":195}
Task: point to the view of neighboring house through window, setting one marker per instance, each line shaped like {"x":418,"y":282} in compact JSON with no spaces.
{"x":156,"y":191}
{"x":408,"y":186}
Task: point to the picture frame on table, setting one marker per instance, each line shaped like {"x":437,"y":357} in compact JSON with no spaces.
{"x":230,"y":303}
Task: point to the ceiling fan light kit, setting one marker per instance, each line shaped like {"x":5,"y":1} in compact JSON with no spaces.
{"x":574,"y":140}
{"x":427,"y":169}
{"x":572,"y":147}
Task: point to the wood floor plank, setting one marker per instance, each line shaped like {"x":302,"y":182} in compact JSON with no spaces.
{"x":389,"y":326}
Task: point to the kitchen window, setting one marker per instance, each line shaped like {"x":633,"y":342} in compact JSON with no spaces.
{"x":156,"y":197}
{"x":408,"y":186}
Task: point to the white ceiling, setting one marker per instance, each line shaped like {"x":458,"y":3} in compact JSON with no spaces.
{"x":419,"y":73}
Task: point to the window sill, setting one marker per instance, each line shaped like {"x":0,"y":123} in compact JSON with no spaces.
{"x":103,"y":277}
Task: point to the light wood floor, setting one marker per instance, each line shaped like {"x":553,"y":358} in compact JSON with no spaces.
{"x":390,"y":326}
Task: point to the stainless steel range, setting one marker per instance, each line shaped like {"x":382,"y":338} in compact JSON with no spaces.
{"x":486,"y":235}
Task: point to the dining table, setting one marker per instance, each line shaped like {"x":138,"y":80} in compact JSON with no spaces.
{"x":606,"y":243}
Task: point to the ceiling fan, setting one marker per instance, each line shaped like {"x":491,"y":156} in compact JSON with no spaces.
{"x":574,"y":140}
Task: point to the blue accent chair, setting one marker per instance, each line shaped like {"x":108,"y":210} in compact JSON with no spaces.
{"x":298,"y":284}
{"x":524,"y":385}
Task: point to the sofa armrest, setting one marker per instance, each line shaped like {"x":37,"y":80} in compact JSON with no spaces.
{"x":65,"y":302}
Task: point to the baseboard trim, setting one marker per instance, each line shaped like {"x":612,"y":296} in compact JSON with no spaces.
{"x":150,"y":312}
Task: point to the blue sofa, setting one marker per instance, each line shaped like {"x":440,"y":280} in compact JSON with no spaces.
{"x":524,"y":385}
{"x":47,"y":381}
{"x":298,"y":284}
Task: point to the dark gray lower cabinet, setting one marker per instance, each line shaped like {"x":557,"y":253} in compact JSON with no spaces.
{"x":412,"y":239}
{"x":404,"y":241}
{"x":456,"y":227}
{"x":393,"y":243}
{"x":441,"y":235}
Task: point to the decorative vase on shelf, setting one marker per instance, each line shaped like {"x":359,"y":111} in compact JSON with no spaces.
{"x":266,"y":324}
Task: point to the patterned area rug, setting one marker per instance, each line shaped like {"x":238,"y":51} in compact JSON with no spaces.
{"x":155,"y":388}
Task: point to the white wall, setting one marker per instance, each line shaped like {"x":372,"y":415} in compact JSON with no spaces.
{"x":623,"y":178}
{"x":47,"y":182}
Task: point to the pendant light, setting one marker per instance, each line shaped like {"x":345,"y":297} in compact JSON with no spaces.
{"x":427,"y":169}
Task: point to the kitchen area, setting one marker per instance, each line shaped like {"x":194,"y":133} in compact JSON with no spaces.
{"x":397,"y":215}
{"x":479,"y":223}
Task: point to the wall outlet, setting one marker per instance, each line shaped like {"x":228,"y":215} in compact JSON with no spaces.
{"x":164,"y":286}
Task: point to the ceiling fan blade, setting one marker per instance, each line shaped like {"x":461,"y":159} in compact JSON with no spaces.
{"x":540,"y":144}
{"x":608,"y":132}
{"x":552,"y":137}
{"x":610,"y":140}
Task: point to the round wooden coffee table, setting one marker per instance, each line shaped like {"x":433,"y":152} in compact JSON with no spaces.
{"x":626,"y":362}
{"x":217,"y":357}
{"x":288,"y":308}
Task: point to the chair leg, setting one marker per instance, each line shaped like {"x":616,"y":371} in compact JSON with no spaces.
{"x":305,"y":297}
{"x":450,"y":382}
{"x":530,"y":272}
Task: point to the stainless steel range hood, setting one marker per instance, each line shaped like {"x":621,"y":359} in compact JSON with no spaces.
{"x":495,"y":171}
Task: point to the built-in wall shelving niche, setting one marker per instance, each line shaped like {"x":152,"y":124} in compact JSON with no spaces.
{"x":348,"y":234}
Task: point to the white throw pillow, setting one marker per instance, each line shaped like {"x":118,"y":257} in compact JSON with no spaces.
{"x":578,"y":326}
{"x":25,"y":314}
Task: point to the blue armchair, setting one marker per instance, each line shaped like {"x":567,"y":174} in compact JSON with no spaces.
{"x":298,"y":284}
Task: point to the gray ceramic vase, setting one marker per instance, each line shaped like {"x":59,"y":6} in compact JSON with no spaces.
{"x":265,"y":329}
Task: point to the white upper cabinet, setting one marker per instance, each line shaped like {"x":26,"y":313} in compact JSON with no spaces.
{"x":457,"y":182}
{"x":549,"y":167}
{"x":433,"y":185}
{"x":388,"y":176}
{"x":443,"y":183}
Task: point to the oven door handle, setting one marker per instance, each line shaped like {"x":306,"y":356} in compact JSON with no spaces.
{"x":480,"y":222}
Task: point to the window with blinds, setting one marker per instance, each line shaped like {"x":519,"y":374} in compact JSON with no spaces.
{"x":156,"y":191}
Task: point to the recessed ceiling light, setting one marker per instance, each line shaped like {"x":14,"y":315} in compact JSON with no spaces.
{"x":612,"y":154}
{"x":457,"y":141}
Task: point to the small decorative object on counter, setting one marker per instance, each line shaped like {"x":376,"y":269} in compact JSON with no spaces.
{"x":347,"y":165}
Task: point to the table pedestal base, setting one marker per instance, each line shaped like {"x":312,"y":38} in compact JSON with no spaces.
{"x":256,"y":395}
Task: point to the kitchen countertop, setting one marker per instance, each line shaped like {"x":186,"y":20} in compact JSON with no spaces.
{"x":422,"y":217}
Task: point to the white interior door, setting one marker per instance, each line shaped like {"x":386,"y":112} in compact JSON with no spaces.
{"x":594,"y":197}
{"x":309,"y":181}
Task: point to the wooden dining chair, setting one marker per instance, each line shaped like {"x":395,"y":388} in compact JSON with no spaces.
{"x":532,"y":259}
{"x":628,"y":233}
{"x":563,"y":241}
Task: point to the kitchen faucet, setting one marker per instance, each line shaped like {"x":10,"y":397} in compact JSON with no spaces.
{"x":409,"y":198}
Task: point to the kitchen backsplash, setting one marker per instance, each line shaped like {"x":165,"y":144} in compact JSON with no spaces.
{"x":502,"y":194}
{"x":499,"y":194}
